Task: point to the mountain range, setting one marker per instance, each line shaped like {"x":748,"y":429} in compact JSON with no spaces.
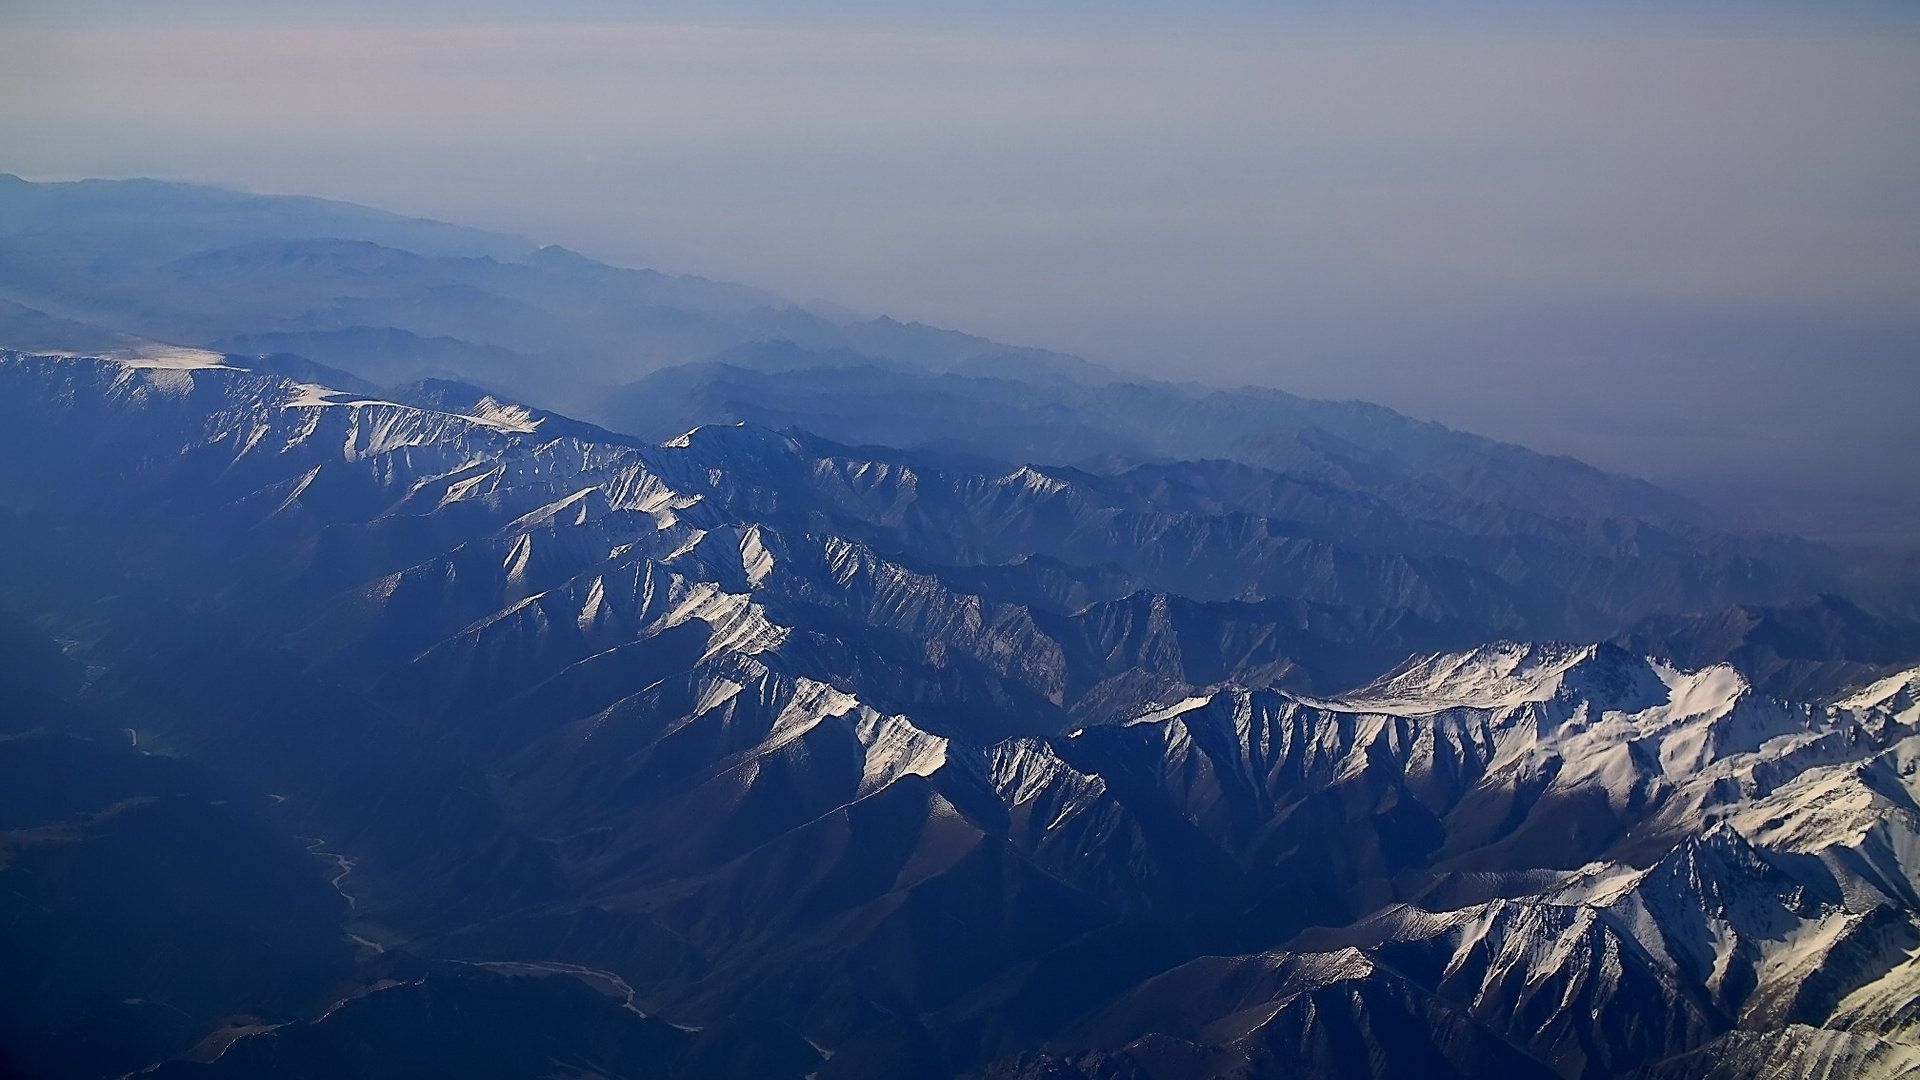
{"x":447,"y":655}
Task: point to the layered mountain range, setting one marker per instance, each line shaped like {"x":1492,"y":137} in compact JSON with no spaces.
{"x":427,"y":653}
{"x":373,"y":727}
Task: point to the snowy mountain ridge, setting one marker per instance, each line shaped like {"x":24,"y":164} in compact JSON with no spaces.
{"x":709,"y":716}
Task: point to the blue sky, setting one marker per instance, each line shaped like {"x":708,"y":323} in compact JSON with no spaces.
{"x":1681,"y":240}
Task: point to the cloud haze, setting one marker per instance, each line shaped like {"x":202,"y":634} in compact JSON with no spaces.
{"x":1686,"y":250}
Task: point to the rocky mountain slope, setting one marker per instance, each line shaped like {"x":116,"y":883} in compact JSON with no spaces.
{"x":870,"y":763}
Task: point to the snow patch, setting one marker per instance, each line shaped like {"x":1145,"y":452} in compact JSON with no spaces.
{"x":501,"y":416}
{"x":895,"y":748}
{"x":1168,"y":712}
{"x":172,"y":358}
{"x":1898,"y":696}
{"x":755,"y":560}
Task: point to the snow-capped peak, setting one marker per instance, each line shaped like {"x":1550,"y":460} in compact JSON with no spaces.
{"x":1896,"y":695}
{"x":1508,"y":674}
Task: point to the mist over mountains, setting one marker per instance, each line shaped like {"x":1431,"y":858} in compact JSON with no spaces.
{"x":428,"y":652}
{"x":335,"y":282}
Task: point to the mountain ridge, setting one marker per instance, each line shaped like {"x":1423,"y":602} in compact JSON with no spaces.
{"x":760,"y":725}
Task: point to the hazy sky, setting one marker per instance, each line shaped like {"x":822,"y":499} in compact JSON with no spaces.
{"x":1680,"y":239}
